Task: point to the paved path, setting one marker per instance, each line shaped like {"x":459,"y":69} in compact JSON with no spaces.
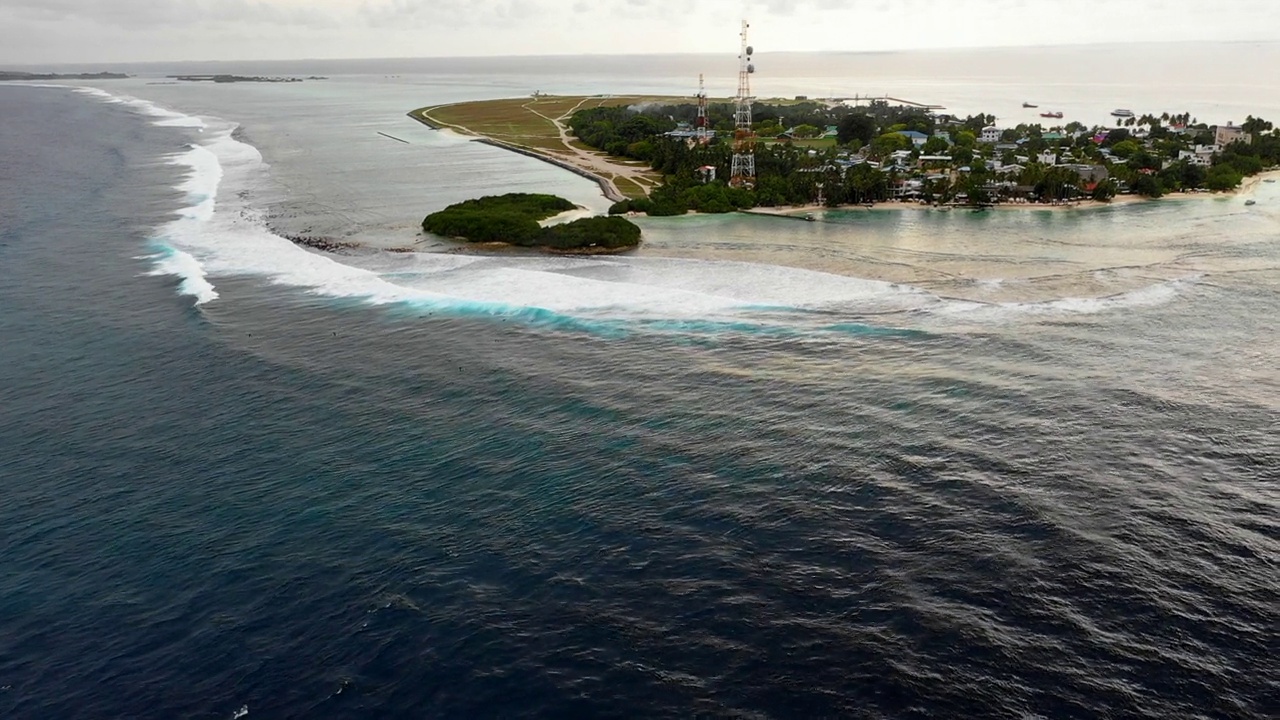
{"x":593,"y":161}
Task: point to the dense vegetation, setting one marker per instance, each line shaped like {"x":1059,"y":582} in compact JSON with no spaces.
{"x":870,"y":159}
{"x":537,"y":206}
{"x":513,"y":219}
{"x":619,"y":131}
{"x":603,"y":232}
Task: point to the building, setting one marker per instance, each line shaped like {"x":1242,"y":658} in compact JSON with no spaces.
{"x":906,"y":189}
{"x":685,"y":131}
{"x":1224,"y":135}
{"x":1048,"y":157}
{"x":934,"y":160}
{"x":918,"y":139}
{"x":901,"y":158}
{"x":1090,"y":175}
{"x":991,"y":134}
{"x":1202,"y":155}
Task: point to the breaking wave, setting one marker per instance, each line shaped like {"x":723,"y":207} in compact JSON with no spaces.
{"x":220,"y":233}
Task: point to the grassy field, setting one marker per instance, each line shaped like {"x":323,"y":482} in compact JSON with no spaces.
{"x":521,"y":121}
{"x":816,"y":143}
{"x":535,"y":123}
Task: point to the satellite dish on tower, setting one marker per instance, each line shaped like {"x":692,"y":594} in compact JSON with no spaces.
{"x":751,"y":50}
{"x":751,"y":68}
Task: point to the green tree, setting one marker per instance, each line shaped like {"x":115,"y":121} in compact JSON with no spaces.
{"x":768,"y":128}
{"x":1147,"y":186}
{"x":889,"y":143}
{"x":935,"y":146}
{"x":1256,"y":126}
{"x":1126,"y":149}
{"x":1221,"y":178}
{"x":604,"y":232}
{"x":806,"y":131}
{"x":1116,"y":136}
{"x":856,"y":128}
{"x":1105,"y":190}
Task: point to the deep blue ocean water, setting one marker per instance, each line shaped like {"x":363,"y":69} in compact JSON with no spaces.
{"x":291,"y":504}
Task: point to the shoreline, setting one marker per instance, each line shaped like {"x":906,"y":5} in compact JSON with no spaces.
{"x":607,"y":186}
{"x":1247,"y":187}
{"x":500,"y":248}
{"x":610,"y":190}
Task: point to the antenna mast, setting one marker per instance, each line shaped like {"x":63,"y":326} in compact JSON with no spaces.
{"x":700,"y":128}
{"x":743,"y":170}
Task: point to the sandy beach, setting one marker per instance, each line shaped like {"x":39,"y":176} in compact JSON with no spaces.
{"x":1247,"y":187}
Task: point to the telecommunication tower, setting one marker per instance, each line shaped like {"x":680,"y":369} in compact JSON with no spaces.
{"x":743,"y":171}
{"x":700,"y":127}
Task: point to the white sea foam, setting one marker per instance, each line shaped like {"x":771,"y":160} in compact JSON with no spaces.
{"x":170,"y":261}
{"x":220,"y":233}
{"x":225,"y":236}
{"x":1147,"y":296}
{"x":243,"y":711}
{"x":164,"y":117}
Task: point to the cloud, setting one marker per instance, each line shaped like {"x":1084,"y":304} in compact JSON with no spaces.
{"x":113,"y":30}
{"x":143,"y":13}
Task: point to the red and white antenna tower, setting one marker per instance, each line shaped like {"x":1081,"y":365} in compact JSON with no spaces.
{"x":700,"y":127}
{"x":743,"y":171}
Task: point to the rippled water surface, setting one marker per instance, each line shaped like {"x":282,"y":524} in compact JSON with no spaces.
{"x":889,"y":464}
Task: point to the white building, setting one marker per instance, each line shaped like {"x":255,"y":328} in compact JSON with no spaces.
{"x":1224,"y":135}
{"x":901,"y":158}
{"x":1202,"y":155}
{"x":991,"y":134}
{"x":1048,"y":157}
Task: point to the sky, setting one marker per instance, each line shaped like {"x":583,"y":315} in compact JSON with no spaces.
{"x":35,"y":32}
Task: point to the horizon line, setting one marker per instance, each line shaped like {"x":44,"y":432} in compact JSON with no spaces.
{"x":962,"y":48}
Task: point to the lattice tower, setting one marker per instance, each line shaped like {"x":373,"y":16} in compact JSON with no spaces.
{"x":700,"y":127}
{"x":743,"y":171}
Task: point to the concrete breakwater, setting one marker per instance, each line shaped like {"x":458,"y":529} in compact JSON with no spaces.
{"x":607,"y":187}
{"x":422,"y":118}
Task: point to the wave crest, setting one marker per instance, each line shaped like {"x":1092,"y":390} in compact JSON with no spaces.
{"x":221,"y":233}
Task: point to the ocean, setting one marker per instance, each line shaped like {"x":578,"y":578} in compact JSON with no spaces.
{"x":912,"y":464}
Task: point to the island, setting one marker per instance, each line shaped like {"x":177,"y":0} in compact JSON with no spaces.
{"x":241,"y":78}
{"x":18,"y":76}
{"x":514,"y":220}
{"x":648,"y":155}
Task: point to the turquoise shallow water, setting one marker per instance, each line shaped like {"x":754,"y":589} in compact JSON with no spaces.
{"x":889,"y":465}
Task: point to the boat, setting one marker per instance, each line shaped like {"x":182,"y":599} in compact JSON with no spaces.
{"x":1057,"y":115}
{"x":1029,"y":105}
{"x":1268,"y":181}
{"x":1122,"y":113}
{"x":1250,"y":202}
{"x":810,"y":217}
